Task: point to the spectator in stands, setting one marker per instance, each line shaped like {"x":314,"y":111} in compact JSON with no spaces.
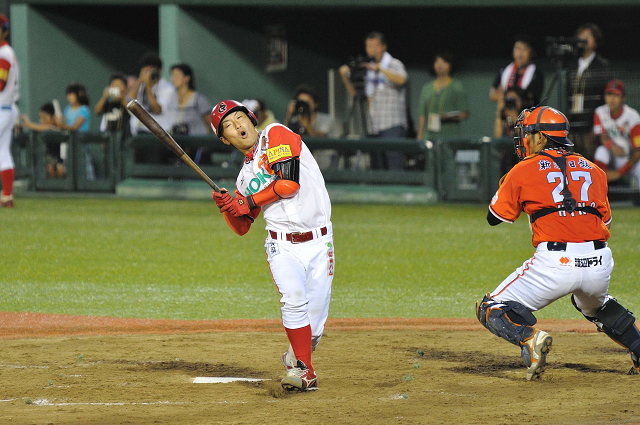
{"x":303,"y":116}
{"x":113,"y":106}
{"x":76,"y":118}
{"x":522,"y":73}
{"x":588,"y":78}
{"x":155,"y":94}
{"x":384,"y":86}
{"x":443,"y":102}
{"x":259,"y":109}
{"x":76,"y":114}
{"x":193,"y":114}
{"x":55,"y":164}
{"x":617,"y":126}
{"x":507,"y":111}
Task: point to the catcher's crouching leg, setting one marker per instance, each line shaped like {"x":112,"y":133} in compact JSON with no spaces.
{"x":509,"y":320}
{"x":619,"y":324}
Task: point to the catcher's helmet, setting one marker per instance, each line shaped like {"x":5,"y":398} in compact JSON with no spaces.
{"x":224,"y":108}
{"x":544,"y":119}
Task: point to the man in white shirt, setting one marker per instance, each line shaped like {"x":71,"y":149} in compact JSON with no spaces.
{"x":155,"y":93}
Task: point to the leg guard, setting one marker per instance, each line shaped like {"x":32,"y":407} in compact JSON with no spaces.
{"x":509,"y":319}
{"x":619,"y":325}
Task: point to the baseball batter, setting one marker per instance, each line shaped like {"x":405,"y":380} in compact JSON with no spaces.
{"x":281,"y":178}
{"x":565,"y":197}
{"x":9,"y":94}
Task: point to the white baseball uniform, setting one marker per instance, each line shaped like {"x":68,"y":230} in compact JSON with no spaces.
{"x":299,"y":241}
{"x":9,"y":94}
{"x":623,"y":131}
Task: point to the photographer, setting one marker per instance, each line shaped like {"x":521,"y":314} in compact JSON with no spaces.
{"x":384,"y":86}
{"x":521,"y":73}
{"x":304,"y":119}
{"x":507,"y":112}
{"x":113,"y":106}
{"x":588,"y":78}
{"x":155,"y":94}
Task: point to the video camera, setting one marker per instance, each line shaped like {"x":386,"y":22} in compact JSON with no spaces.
{"x":358,"y":70}
{"x":562,"y":49}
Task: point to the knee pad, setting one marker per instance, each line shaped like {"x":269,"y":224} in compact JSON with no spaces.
{"x":509,"y":320}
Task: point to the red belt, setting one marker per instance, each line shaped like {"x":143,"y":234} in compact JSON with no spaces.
{"x":298,"y":237}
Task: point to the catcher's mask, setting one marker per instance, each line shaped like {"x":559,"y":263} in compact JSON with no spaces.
{"x":544,"y":119}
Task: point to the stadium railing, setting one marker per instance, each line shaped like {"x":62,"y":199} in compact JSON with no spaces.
{"x":458,"y":169}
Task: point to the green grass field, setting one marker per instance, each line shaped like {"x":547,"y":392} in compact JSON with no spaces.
{"x":179,"y":260}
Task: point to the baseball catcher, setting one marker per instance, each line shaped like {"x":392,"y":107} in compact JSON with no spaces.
{"x":281,"y":178}
{"x":565,"y":198}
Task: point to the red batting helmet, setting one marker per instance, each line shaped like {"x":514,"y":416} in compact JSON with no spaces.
{"x":544,"y":119}
{"x":224,"y":108}
{"x":4,"y":22}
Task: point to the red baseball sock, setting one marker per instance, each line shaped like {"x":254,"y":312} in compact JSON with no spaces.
{"x":7,"y":181}
{"x":300,"y":340}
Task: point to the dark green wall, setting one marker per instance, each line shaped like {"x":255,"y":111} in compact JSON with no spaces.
{"x":57,"y":44}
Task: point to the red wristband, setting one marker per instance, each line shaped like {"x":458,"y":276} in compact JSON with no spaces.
{"x":624,"y":169}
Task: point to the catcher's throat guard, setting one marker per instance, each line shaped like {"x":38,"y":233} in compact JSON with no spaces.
{"x":544,"y":119}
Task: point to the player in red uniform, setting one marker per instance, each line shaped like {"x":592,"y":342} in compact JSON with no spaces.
{"x":9,"y":94}
{"x":281,"y":178}
{"x":618,"y":126}
{"x":565,"y":198}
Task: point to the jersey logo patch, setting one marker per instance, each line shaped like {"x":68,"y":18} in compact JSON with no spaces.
{"x":564,"y":261}
{"x":278,"y":152}
{"x":588,"y":262}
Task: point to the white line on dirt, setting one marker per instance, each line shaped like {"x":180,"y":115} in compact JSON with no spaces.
{"x":223,"y":380}
{"x":10,"y":399}
{"x":46,"y":402}
{"x":13,"y":366}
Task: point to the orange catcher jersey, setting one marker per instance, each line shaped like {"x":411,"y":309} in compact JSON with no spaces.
{"x":536,"y":183}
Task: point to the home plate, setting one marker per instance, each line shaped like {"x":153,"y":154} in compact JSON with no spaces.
{"x":223,"y":380}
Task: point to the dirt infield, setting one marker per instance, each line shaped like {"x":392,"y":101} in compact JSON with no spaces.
{"x":94,"y":370}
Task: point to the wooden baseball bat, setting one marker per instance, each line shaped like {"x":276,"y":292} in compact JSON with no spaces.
{"x":153,"y":126}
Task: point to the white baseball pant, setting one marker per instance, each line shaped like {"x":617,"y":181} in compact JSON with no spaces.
{"x":549,"y":275}
{"x":303,"y":274}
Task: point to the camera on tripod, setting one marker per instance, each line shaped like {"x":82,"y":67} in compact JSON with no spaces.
{"x":358,"y":70}
{"x":563,"y":49}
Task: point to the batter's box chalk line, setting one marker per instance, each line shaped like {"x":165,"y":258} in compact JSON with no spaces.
{"x":223,"y":380}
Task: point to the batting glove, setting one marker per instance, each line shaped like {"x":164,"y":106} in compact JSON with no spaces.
{"x":238,"y":207}
{"x":222,"y":199}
